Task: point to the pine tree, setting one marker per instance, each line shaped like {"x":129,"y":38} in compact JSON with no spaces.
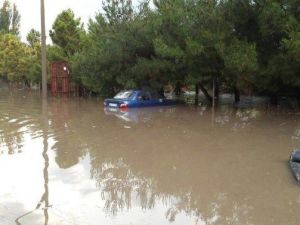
{"x":9,"y":18}
{"x":15,"y":21}
{"x":5,"y":16}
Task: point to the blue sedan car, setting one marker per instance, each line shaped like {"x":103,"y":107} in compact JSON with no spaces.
{"x":137,"y":98}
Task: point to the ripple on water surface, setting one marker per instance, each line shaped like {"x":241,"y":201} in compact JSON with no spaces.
{"x":80,"y":164}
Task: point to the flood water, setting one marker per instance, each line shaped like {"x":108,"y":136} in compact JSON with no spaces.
{"x":69,"y":162}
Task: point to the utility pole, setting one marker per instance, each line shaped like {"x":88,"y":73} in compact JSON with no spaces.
{"x":43,"y":51}
{"x":213,"y":92}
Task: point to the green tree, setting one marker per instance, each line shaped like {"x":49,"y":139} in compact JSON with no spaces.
{"x":116,"y":50}
{"x":281,"y":75}
{"x":34,"y":52}
{"x":118,"y":12}
{"x":9,"y":18}
{"x":56,"y":53}
{"x":191,"y":36}
{"x":33,"y":37}
{"x":66,"y":32}
{"x":239,"y":45}
{"x":5,"y":17}
{"x":240,"y":60}
{"x":14,"y":63}
{"x":15,"y":21}
{"x":270,"y":26}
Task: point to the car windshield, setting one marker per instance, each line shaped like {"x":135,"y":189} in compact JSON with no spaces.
{"x":124,"y":94}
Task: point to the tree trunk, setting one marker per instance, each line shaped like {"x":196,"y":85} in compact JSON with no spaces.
{"x":162,"y":92}
{"x":217,"y":91}
{"x":204,"y":91}
{"x":27,"y":84}
{"x":196,"y":95}
{"x":298,"y":100}
{"x":213,"y":93}
{"x":177,"y":89}
{"x":274,"y":99}
{"x":236,"y":95}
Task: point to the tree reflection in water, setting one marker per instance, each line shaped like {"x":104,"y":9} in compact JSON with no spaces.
{"x":187,"y":161}
{"x":14,"y":124}
{"x":11,"y":135}
{"x":68,"y":145}
{"x":237,"y":118}
{"x":130,"y":170}
{"x":44,"y":201}
{"x":120,"y":186}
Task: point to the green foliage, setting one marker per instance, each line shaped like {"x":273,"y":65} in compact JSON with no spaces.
{"x":5,"y":17}
{"x":191,"y":41}
{"x":14,"y":63}
{"x":56,"y":53}
{"x":240,"y":60}
{"x":19,"y":62}
{"x":15,"y":20}
{"x":66,"y":32}
{"x":244,"y":44}
{"x":114,"y":47}
{"x":165,"y":51}
{"x":292,"y":46}
{"x":282,"y":72}
{"x":33,"y":37}
{"x":9,"y":18}
{"x":272,"y":27}
{"x":35,"y":70}
{"x":118,"y":12}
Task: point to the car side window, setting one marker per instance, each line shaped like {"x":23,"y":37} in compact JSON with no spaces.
{"x":144,"y":96}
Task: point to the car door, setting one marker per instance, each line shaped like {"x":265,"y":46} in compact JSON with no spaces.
{"x":144,"y":98}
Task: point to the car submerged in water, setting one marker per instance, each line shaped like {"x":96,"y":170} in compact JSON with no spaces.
{"x":137,"y":98}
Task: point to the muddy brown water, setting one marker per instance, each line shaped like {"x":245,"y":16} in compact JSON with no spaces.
{"x":69,"y":162}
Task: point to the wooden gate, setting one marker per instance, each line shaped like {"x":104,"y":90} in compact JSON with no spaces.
{"x":60,"y":78}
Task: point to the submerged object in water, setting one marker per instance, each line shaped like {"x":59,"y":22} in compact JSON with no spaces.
{"x":295,"y":164}
{"x":137,"y":98}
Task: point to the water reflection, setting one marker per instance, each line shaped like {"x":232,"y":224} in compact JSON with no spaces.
{"x":173,"y":166}
{"x":44,"y":201}
{"x":139,"y":115}
{"x":45,"y":197}
{"x":237,"y":118}
{"x":18,"y":116}
{"x":11,"y":141}
{"x":67,"y":140}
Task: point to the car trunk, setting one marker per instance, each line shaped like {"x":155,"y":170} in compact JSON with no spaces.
{"x":113,"y":102}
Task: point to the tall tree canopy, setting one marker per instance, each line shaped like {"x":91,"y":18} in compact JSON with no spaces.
{"x":9,"y":18}
{"x":33,"y":37}
{"x":66,"y":32}
{"x":14,"y":63}
{"x":241,"y":46}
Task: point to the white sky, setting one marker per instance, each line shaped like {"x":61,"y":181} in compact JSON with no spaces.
{"x":30,"y":12}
